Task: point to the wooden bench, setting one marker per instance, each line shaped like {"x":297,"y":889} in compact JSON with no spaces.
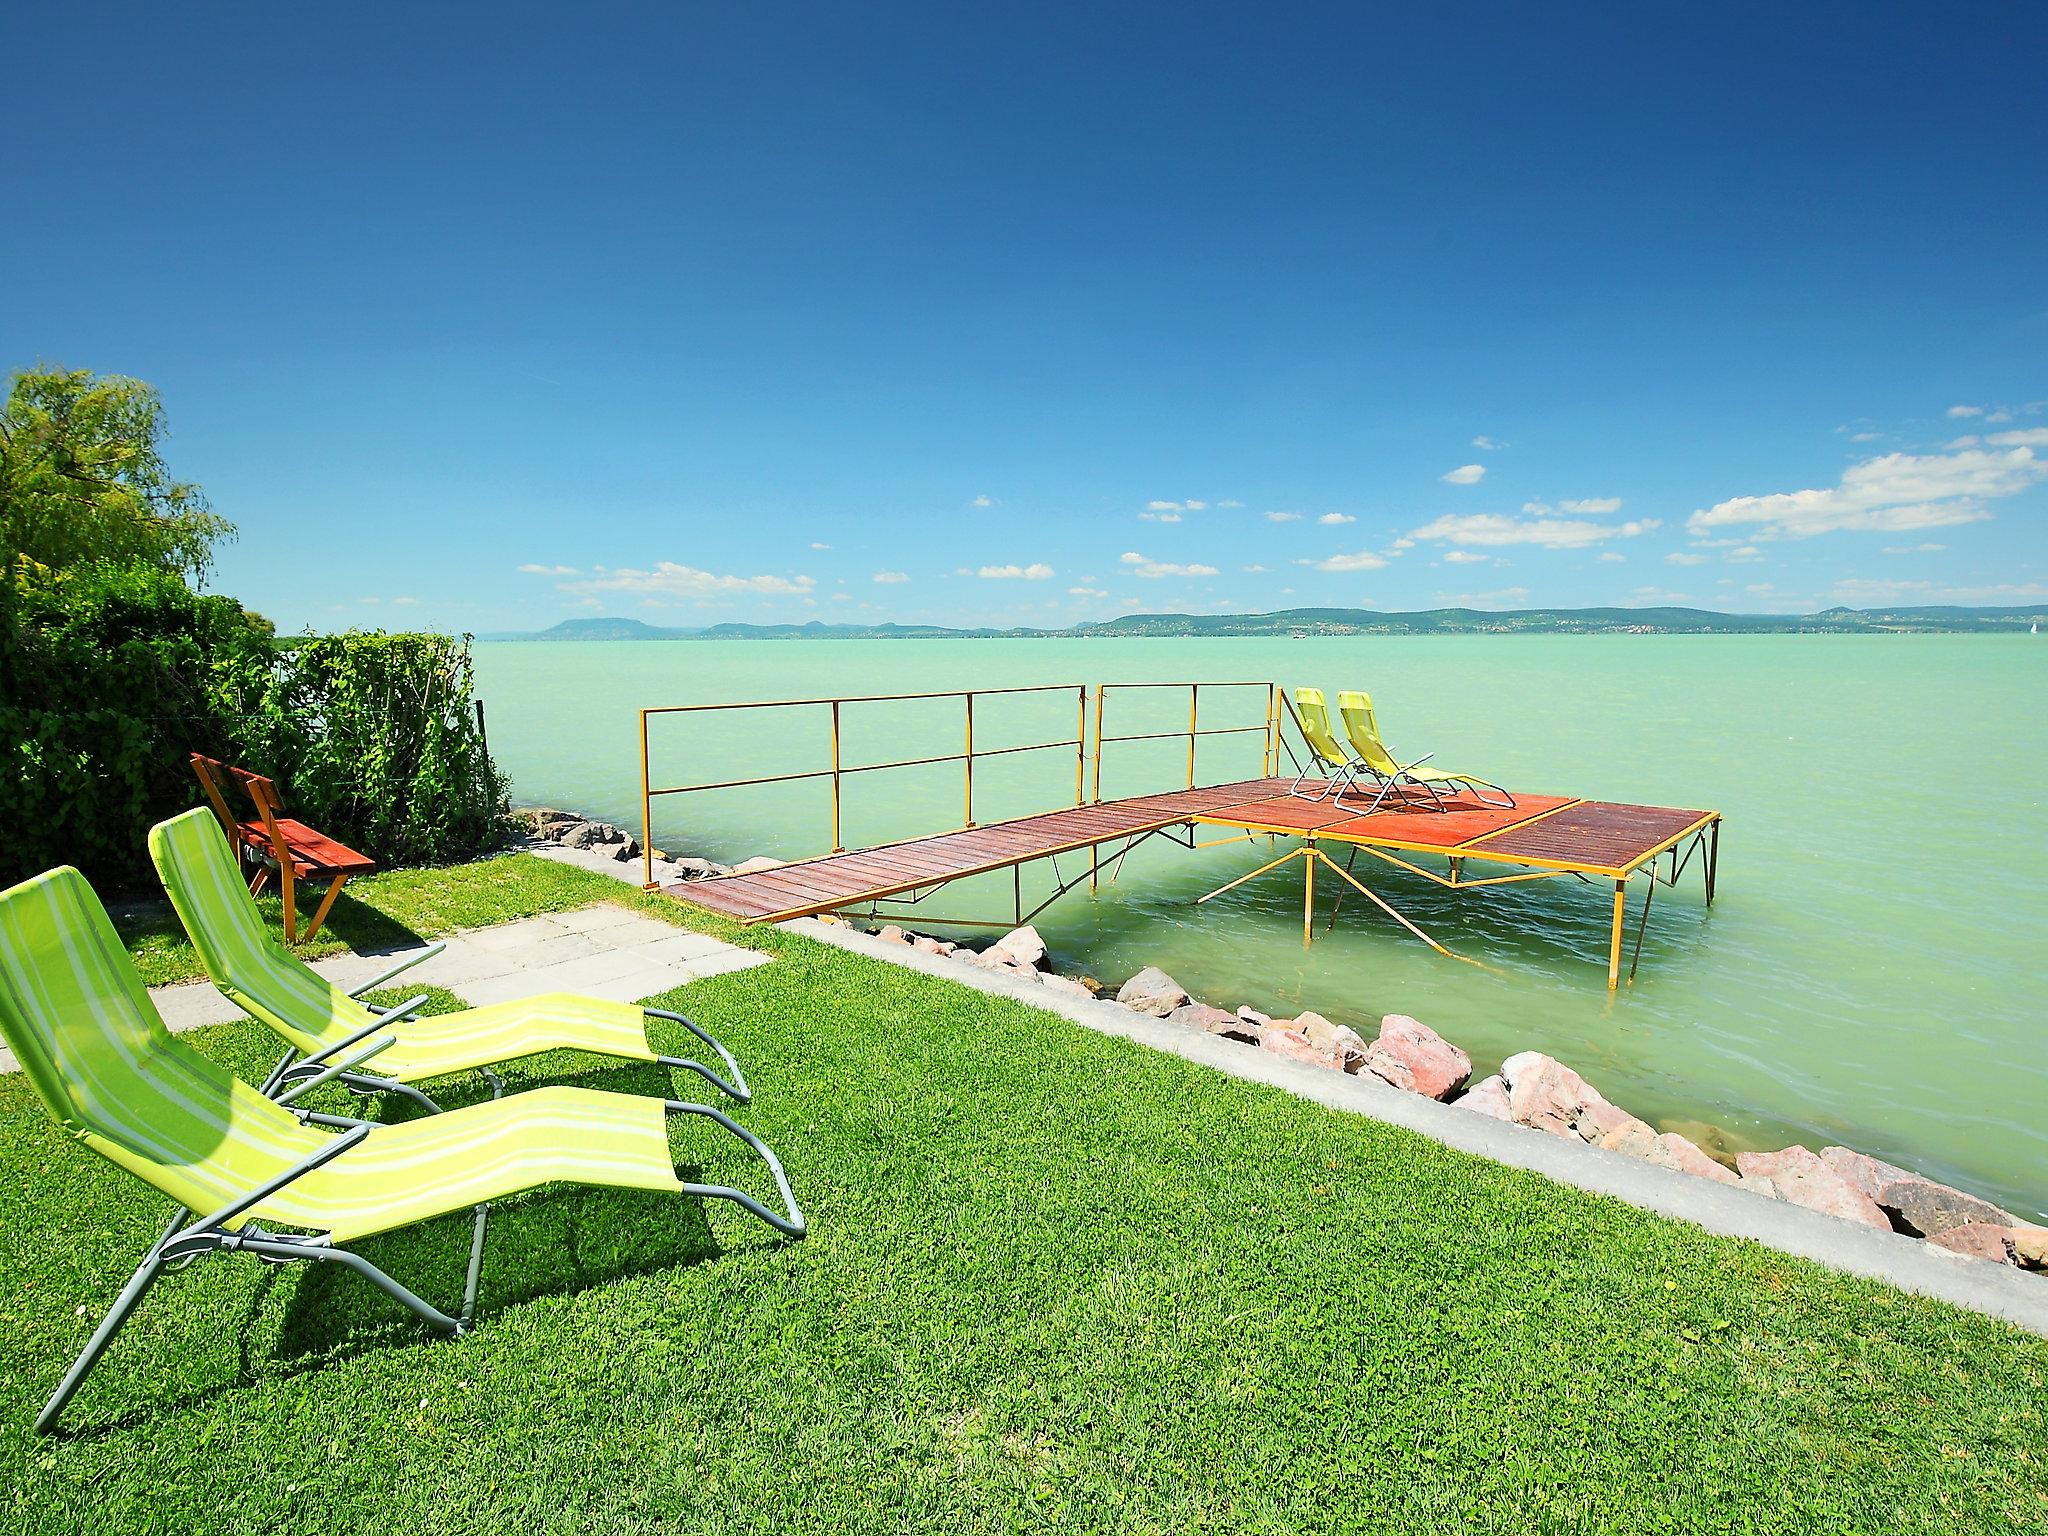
{"x":277,"y":845}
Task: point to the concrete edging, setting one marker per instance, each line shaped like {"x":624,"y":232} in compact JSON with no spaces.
{"x":1995,"y":1290}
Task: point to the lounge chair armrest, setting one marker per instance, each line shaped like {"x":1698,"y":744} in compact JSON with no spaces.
{"x":356,"y":1038}
{"x":398,"y":1011}
{"x":269,"y":1187}
{"x":335,"y":1069}
{"x":404,"y":965}
{"x":1418,"y":761}
{"x":738,"y":1086}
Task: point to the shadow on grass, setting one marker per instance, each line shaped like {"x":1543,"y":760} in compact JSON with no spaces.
{"x":361,"y":927}
{"x":557,"y":1241}
{"x":350,"y":924}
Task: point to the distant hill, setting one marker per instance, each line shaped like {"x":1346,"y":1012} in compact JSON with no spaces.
{"x":1304,"y":622}
{"x":603,"y":629}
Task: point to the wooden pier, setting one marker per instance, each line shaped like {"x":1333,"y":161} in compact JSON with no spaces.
{"x":1539,"y":837}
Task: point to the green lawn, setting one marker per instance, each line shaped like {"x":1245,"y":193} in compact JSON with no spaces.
{"x":1054,"y":1281}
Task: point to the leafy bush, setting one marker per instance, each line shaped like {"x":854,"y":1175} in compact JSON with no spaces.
{"x":374,"y":740}
{"x":110,"y":675}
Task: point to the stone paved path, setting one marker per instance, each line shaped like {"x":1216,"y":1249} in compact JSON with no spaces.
{"x":599,"y":951}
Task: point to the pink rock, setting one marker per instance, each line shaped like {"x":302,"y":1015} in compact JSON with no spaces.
{"x":1152,"y":991}
{"x":1979,"y":1240}
{"x":2030,"y":1246}
{"x":1597,"y":1120}
{"x":1411,"y":1055}
{"x":1291,"y":1043}
{"x":1488,"y":1096}
{"x":1605,"y":1125}
{"x":1022,"y":945}
{"x":1796,"y":1175}
{"x":1066,"y":984}
{"x":1201,"y":1016}
{"x":1675,"y":1152}
{"x":892,"y":933}
{"x":1546,"y":1094}
{"x":1916,"y":1204}
{"x":932,"y":946}
{"x":1342,"y":1044}
{"x":1867,"y":1173}
{"x":1252,"y":1015}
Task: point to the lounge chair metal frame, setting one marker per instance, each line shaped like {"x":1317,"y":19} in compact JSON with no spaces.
{"x":184,"y":1241}
{"x":1312,"y":715}
{"x":1401,"y":777}
{"x":177,"y":848}
{"x":113,"y":1076}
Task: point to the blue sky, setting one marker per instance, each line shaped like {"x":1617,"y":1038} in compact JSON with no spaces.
{"x":482,"y":319}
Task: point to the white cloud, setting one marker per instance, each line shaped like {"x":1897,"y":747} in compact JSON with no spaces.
{"x":1466,"y":474}
{"x":1364,"y":560}
{"x":2024,"y":437}
{"x":1492,"y":529}
{"x":1860,"y":591}
{"x":1283,"y":517}
{"x":1957,"y":412}
{"x":1152,"y":570}
{"x":891,"y":578}
{"x":816,"y":545}
{"x":405,"y":602}
{"x":548,"y":570}
{"x":1464,"y":557}
{"x":1181,"y":506}
{"x":1592,"y":505}
{"x":1894,"y":493}
{"x":672,"y":580}
{"x":1036,"y":571}
{"x":1743,"y":554}
{"x":1227,"y":502}
{"x":1864,"y":437}
{"x":1613,"y":556}
{"x":1914,"y":549}
{"x":1483,"y":599}
{"x":1255,"y":570}
{"x":1487,"y":444}
{"x":841,"y":597}
{"x":982,"y":501}
{"x":1680,"y":557}
{"x":1162,"y":506}
{"x":1336,"y":519}
{"x":1086,"y":592}
{"x":1159,"y":517}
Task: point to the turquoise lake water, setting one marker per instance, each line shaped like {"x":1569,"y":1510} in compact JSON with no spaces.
{"x":1870,"y":974}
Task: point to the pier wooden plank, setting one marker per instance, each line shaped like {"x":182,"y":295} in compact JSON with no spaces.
{"x":1595,"y":837}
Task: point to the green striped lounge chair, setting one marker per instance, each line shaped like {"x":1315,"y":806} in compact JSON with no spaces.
{"x":97,"y":1053}
{"x":314,"y":1016}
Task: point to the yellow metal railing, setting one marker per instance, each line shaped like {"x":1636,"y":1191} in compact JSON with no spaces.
{"x":838,"y":770}
{"x":1269,"y":729}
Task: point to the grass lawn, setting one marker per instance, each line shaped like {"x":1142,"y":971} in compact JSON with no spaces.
{"x":1054,"y":1281}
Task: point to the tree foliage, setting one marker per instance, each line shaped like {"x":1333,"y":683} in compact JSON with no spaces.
{"x":82,"y":478}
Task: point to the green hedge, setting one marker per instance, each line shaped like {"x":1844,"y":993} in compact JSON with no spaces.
{"x":374,"y":738}
{"x":111,"y":675}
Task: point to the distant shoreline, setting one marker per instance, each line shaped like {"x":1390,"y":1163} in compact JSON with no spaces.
{"x":1322,"y":623}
